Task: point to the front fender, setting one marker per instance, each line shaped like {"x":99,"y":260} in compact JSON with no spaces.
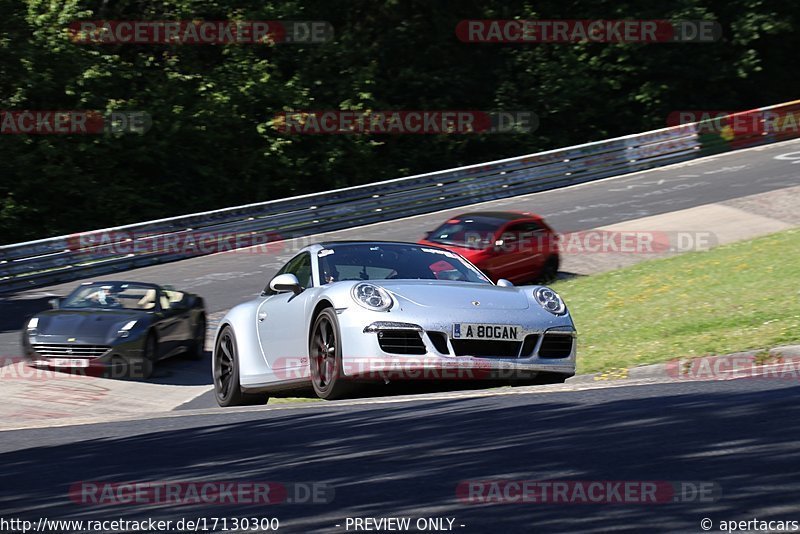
{"x":253,"y":368}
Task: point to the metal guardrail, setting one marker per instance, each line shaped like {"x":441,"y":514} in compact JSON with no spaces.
{"x":65,"y":258}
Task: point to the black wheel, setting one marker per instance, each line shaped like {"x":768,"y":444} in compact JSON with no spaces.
{"x":325,"y":351}
{"x":197,"y":348}
{"x":549,"y":270}
{"x":149,"y":357}
{"x":227,"y":388}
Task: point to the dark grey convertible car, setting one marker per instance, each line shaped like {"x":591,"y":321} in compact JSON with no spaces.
{"x":116,"y":328}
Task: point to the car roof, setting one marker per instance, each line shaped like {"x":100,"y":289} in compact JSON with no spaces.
{"x":366,"y":242}
{"x":498,"y":215}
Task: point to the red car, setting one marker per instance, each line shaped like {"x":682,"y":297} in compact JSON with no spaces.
{"x":519,"y":247}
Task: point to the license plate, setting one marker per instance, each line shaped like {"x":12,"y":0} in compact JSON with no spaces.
{"x":490,"y":332}
{"x":68,"y":362}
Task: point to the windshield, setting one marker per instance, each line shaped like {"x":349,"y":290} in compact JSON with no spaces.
{"x":112,"y":295}
{"x":466,"y":232}
{"x":394,"y":261}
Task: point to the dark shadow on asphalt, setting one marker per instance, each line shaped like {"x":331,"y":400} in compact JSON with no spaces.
{"x":408,"y":459}
{"x":182,"y":371}
{"x":563,"y":275}
{"x":366,"y":390}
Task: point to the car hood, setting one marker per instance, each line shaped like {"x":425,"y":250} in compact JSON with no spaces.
{"x":85,"y":323}
{"x":458,"y":295}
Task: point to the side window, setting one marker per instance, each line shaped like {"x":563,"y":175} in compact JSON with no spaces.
{"x":523,"y":235}
{"x":511,"y":237}
{"x":302,"y":270}
{"x":300,"y":266}
{"x":533,"y":227}
{"x":533,"y":236}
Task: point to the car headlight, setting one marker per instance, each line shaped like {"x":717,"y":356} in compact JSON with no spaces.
{"x":125,"y":331}
{"x":550,"y":301}
{"x":372,"y":297}
{"x":33,"y":324}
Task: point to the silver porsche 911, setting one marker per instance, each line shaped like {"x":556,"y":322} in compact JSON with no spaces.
{"x":339,"y":314}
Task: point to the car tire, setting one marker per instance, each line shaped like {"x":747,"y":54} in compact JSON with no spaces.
{"x":325,"y":358}
{"x":149,"y":358}
{"x":227,"y":388}
{"x":549,"y":270}
{"x":197,"y":347}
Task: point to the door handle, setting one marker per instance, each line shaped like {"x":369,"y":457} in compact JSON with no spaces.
{"x":262,"y":316}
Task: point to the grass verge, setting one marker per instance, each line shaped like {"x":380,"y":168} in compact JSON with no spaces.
{"x":735,"y":297}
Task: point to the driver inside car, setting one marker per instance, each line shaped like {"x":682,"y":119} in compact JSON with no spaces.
{"x":329,"y":272}
{"x":103,"y":297}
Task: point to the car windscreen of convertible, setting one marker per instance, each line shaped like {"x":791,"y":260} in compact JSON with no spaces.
{"x":105,"y":295}
{"x":394,"y":262}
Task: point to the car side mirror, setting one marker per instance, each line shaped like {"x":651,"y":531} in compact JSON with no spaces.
{"x":54,"y":303}
{"x":428,"y":234}
{"x":504,"y":283}
{"x":286,"y":282}
{"x":506,"y":243}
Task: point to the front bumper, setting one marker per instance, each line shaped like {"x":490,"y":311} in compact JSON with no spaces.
{"x":81,"y":355}
{"x":418,"y":348}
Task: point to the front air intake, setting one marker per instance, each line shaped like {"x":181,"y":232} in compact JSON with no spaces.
{"x":556,"y":346}
{"x":401,"y":342}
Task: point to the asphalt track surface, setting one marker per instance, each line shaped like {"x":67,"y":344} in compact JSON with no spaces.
{"x":406,"y":459}
{"x":401,"y":457}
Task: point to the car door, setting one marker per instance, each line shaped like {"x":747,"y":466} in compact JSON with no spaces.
{"x":536,"y":241}
{"x":520,"y":254}
{"x":282,"y":319}
{"x":178,"y":307}
{"x":504,"y":259}
{"x":168,"y":326}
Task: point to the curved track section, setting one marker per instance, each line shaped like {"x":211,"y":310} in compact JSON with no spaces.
{"x":226,"y":279}
{"x":407,"y":457}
